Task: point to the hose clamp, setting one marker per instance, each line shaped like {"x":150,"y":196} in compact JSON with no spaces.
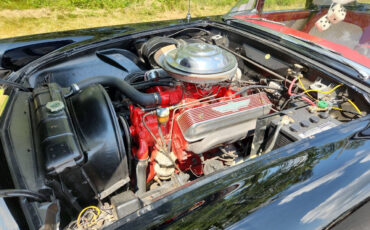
{"x":157,"y":98}
{"x":151,"y":75}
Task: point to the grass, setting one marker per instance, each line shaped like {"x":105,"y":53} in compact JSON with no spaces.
{"x":105,"y":4}
{"x":23,"y":17}
{"x":284,"y":4}
{"x":87,"y":4}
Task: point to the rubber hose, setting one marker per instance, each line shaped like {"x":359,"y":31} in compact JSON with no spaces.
{"x":274,"y":138}
{"x":148,"y":84}
{"x":14,"y":84}
{"x":23,"y":193}
{"x":127,"y":136}
{"x":132,"y":77}
{"x":144,"y":99}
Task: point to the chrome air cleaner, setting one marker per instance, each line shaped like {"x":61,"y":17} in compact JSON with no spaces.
{"x":198,"y":63}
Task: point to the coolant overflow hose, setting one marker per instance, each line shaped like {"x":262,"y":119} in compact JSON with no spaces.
{"x":144,"y":99}
{"x":24,"y":193}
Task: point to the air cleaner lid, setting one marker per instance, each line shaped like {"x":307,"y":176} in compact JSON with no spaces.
{"x":199,"y":58}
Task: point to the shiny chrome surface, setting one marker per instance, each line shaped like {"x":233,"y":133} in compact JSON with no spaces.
{"x":199,"y":63}
{"x":200,"y":58}
{"x":198,"y":123}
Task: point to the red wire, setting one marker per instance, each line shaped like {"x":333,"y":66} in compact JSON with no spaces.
{"x":303,"y":97}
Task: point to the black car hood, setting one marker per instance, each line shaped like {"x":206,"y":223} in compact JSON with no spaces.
{"x":17,"y":52}
{"x":303,"y":185}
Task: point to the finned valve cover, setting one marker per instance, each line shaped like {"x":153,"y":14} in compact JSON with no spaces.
{"x":195,"y":124}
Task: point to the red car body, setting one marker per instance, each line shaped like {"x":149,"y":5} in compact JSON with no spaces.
{"x":358,"y":18}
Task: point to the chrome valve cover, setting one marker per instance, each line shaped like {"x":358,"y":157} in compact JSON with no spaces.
{"x":198,"y":123}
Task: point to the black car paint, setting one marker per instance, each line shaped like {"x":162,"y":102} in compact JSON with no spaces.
{"x":32,"y":47}
{"x":18,"y":52}
{"x":16,"y":58}
{"x":305,"y":185}
{"x":248,"y":195}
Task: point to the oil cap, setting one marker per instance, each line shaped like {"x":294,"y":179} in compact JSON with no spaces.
{"x":54,"y":106}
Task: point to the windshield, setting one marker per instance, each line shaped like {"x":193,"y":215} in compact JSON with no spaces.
{"x":341,"y":25}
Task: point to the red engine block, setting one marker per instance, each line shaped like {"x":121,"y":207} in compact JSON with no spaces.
{"x":147,"y":147}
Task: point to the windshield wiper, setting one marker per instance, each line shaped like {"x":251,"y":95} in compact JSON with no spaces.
{"x":314,"y":44}
{"x":255,"y":19}
{"x":265,"y":20}
{"x":361,"y":72}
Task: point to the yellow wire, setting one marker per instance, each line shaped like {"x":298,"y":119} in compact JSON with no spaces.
{"x":324,"y":92}
{"x":83,"y":210}
{"x":316,"y":90}
{"x":354,"y":106}
{"x":327,"y":92}
{"x":304,"y":88}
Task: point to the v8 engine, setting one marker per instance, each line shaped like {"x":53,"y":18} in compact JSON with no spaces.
{"x":171,"y":128}
{"x":200,"y":116}
{"x":168,"y":111}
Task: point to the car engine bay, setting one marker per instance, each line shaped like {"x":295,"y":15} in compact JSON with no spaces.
{"x":116,"y":127}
